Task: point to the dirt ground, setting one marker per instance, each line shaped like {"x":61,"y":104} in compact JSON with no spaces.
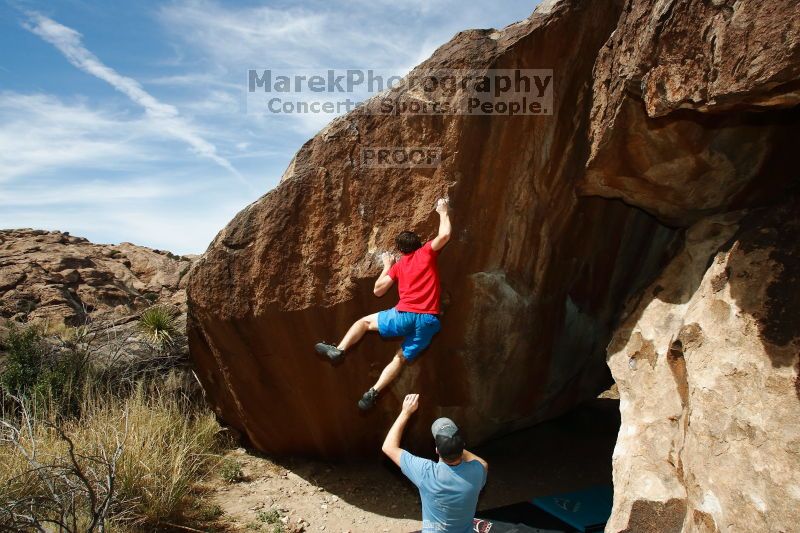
{"x":287,"y":495}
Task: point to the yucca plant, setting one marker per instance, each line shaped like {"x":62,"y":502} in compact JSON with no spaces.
{"x":159,"y":325}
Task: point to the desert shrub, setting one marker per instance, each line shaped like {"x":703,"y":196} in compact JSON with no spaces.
{"x":271,"y":518}
{"x":116,"y":401}
{"x":207,"y":513}
{"x":230,"y":470}
{"x":50,"y":483}
{"x":25,"y":352}
{"x":150,"y":297}
{"x":183,"y":272}
{"x":166,"y":444}
{"x":159,"y":325}
{"x":50,"y":378}
{"x":171,"y":445}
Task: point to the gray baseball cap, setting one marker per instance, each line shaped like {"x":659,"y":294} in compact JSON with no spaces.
{"x":448,"y":439}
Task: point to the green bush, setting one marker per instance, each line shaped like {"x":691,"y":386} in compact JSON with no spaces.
{"x":183,"y":272}
{"x":150,"y":297}
{"x":24,"y":350}
{"x":44,"y":376}
{"x":207,"y":513}
{"x":230,"y":470}
{"x":269,"y":517}
{"x":272,"y":518}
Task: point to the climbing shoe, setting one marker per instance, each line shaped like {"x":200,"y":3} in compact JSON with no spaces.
{"x":329,"y":350}
{"x":368,"y":400}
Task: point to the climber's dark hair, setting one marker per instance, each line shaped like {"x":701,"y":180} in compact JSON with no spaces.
{"x":407,"y":242}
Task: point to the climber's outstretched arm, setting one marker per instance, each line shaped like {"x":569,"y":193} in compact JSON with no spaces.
{"x":445,"y":228}
{"x":384,"y":281}
{"x":391,"y":445}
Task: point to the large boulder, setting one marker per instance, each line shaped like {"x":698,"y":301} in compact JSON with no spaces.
{"x":692,"y":106}
{"x":707,"y":368}
{"x":532,"y":281}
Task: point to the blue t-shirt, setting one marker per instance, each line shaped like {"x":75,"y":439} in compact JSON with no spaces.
{"x":449,"y":494}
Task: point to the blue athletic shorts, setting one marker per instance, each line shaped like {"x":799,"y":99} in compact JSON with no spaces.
{"x":417,"y":329}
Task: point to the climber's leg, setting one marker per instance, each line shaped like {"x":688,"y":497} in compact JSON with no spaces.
{"x":357,"y":330}
{"x":354,"y":334}
{"x":391,"y":371}
{"x":388,"y":375}
{"x":417,"y":329}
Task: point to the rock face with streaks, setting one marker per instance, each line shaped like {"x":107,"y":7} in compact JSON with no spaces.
{"x":707,"y":368}
{"x":532,"y":280}
{"x":59,"y":278}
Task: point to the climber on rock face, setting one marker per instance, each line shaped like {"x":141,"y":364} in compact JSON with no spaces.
{"x":415,"y":317}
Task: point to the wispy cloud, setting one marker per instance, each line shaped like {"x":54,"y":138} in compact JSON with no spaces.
{"x":240,"y":37}
{"x":92,"y":192}
{"x":41,"y":133}
{"x":69,"y":43}
{"x":194,"y":80}
{"x":227,"y":39}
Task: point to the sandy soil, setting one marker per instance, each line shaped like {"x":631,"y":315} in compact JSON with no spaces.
{"x":321,"y":496}
{"x":565,"y":454}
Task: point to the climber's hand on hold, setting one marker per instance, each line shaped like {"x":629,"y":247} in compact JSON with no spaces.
{"x":384,"y":281}
{"x":445,"y":228}
{"x":410,"y":404}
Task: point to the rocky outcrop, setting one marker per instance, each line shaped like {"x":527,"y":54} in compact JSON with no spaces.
{"x":707,"y":368}
{"x":694,"y":113}
{"x":59,"y":278}
{"x":691,"y":112}
{"x":532,"y":280}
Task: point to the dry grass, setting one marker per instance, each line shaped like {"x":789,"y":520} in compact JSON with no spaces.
{"x":169,"y":444}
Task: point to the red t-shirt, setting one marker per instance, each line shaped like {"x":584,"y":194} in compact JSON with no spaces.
{"x":417,"y":281}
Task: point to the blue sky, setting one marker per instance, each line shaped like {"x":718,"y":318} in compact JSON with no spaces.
{"x":125,"y":121}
